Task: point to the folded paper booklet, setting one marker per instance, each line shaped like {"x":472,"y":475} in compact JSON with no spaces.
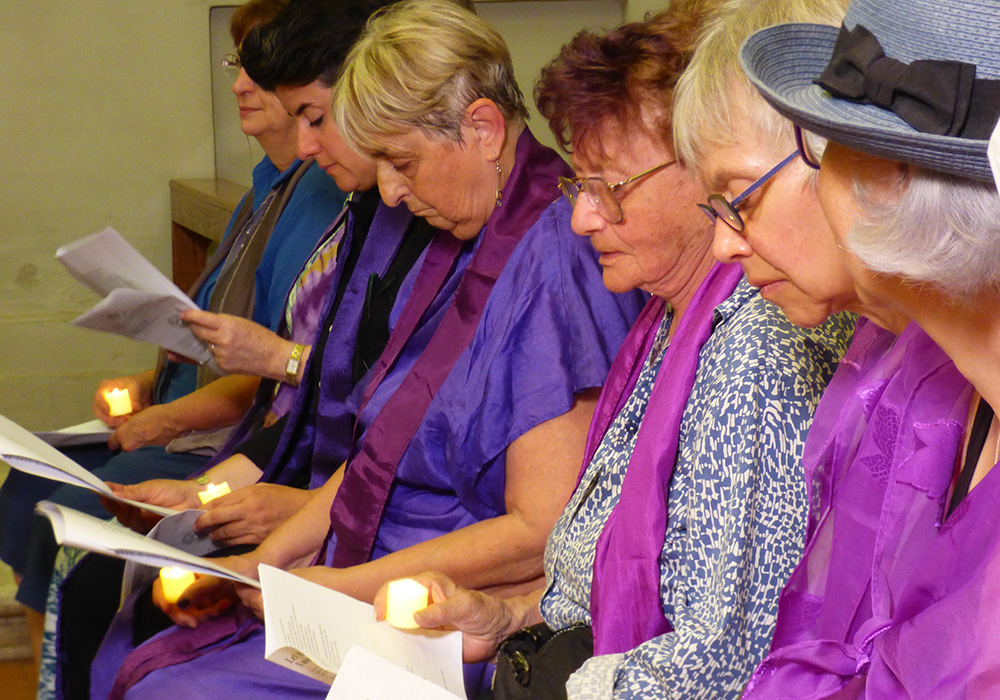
{"x":368,"y":676}
{"x":311,"y":629}
{"x":92,"y":432}
{"x":175,"y":530}
{"x":139,"y":302}
{"x":76,"y":529}
{"x":30,"y":454}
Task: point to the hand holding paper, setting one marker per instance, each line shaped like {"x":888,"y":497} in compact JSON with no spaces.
{"x":139,"y":302}
{"x":310,"y":629}
{"x":27,"y":453}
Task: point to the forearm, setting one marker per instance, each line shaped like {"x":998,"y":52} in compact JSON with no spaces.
{"x":218,"y":404}
{"x":496,"y":554}
{"x":297,"y":541}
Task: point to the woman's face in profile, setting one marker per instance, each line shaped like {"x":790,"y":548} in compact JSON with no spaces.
{"x":841,"y":169}
{"x":786,"y":248}
{"x":318,"y":136}
{"x":260,"y":111}
{"x":451,"y":185}
{"x":658,"y":240}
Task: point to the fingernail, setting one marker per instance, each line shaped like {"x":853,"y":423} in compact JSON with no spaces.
{"x":183,"y":603}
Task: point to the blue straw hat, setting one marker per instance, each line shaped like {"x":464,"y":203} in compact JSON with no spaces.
{"x":955,"y":107}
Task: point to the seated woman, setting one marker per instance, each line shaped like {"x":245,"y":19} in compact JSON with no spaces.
{"x":895,"y":596}
{"x":884,"y":560}
{"x":298,"y":55}
{"x":276,"y":227}
{"x":684,"y":525}
{"x":473,"y":420}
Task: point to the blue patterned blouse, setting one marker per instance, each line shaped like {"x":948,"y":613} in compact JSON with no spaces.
{"x":737,"y":505}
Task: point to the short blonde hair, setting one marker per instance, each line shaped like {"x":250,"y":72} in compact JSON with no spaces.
{"x":420,"y":64}
{"x":714,"y":97}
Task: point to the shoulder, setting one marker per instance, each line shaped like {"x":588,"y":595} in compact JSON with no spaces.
{"x":317,"y":189}
{"x":749,"y":321}
{"x":755,"y":350}
{"x":552,"y":251}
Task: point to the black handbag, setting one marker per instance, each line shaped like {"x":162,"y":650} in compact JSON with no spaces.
{"x":535,"y":662}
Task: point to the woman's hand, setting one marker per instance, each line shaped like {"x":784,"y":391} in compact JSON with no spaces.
{"x":484,"y":621}
{"x":169,"y":493}
{"x":140,"y":391}
{"x":209,"y":596}
{"x":151,"y":426}
{"x":248,"y":515}
{"x":240,"y":345}
{"x":205,"y":599}
{"x":337,"y":579}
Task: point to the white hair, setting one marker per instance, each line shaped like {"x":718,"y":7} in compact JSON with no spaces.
{"x":943,"y":230}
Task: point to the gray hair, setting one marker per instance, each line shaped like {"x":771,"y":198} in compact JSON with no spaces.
{"x":420,"y":64}
{"x":943,"y":230}
{"x":713,"y":97}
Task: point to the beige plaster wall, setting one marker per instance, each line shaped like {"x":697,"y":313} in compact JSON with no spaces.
{"x":104,"y":102}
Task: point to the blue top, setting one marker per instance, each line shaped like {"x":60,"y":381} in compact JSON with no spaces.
{"x":313,"y":206}
{"x":737,"y":505}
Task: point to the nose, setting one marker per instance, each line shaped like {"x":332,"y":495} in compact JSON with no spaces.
{"x":306,"y":143}
{"x":586,"y":219}
{"x":243,"y":83}
{"x":390,"y":184}
{"x":730,"y":245}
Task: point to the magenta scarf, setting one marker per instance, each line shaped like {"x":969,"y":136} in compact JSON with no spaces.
{"x":625,"y":600}
{"x":361,"y":498}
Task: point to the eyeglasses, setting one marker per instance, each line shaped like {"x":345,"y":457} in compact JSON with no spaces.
{"x":809,"y":155}
{"x":720,"y":207}
{"x":231,"y":61}
{"x":602,"y":193}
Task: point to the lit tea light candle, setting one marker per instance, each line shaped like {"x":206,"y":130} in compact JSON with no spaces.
{"x":405,"y":597}
{"x":119,"y":402}
{"x":175,"y":581}
{"x":212,"y":491}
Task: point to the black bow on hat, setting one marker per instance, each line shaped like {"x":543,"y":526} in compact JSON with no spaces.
{"x":934,"y":97}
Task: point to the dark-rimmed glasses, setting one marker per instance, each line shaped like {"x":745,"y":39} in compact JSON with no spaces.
{"x":718,"y":207}
{"x":602,"y":193}
{"x":231,"y":61}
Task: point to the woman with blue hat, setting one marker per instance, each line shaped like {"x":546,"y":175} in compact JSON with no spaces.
{"x":895,"y":595}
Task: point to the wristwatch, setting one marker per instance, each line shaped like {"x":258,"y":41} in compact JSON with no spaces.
{"x":292,"y":366}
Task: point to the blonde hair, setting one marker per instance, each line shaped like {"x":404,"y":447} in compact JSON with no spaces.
{"x":420,"y":64}
{"x":714,"y":97}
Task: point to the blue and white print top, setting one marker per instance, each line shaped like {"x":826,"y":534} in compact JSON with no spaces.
{"x":737,"y":505}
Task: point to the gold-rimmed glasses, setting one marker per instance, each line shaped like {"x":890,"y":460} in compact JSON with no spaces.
{"x":602,"y":193}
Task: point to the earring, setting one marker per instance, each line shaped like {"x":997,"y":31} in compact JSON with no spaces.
{"x":499,"y":180}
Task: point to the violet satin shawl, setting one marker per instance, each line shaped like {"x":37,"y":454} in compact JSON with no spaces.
{"x":361,"y":498}
{"x":891,"y":599}
{"x":625,"y":600}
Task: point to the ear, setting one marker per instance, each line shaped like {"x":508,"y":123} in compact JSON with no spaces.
{"x":487,"y":126}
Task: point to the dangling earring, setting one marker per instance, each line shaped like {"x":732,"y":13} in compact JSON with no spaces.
{"x":499,"y":180}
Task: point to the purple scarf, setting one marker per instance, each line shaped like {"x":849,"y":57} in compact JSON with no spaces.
{"x":361,"y":498}
{"x":625,"y":600}
{"x":891,"y":599}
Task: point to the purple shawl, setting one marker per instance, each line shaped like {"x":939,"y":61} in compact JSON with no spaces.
{"x":361,"y":498}
{"x":625,"y":598}
{"x":891,"y":600}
